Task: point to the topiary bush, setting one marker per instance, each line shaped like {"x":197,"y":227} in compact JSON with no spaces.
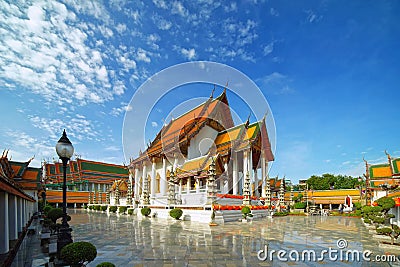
{"x":246,"y":212}
{"x":176,"y":213}
{"x":78,"y":253}
{"x":47,"y":208}
{"x":90,"y":207}
{"x":145,"y":211}
{"x":122,"y":209}
{"x":97,"y":207}
{"x":130,"y":211}
{"x":103,"y":208}
{"x":54,"y":214}
{"x":112,"y":209}
{"x":105,"y":264}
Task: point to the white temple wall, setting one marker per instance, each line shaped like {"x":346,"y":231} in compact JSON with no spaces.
{"x":196,"y":150}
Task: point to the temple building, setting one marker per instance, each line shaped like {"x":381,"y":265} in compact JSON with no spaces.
{"x":87,"y":181}
{"x":187,"y":147}
{"x":19,"y":186}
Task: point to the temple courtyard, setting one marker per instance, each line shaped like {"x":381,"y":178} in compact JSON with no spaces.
{"x":132,"y":241}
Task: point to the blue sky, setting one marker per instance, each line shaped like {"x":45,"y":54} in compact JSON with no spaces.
{"x":328,"y":69}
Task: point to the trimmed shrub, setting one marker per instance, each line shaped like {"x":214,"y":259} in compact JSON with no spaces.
{"x":357,"y":205}
{"x":300,"y":205}
{"x":103,"y":208}
{"x":112,"y":209}
{"x":386,"y":203}
{"x":280,"y":213}
{"x":78,"y":253}
{"x":90,"y":207}
{"x":97,"y":207}
{"x":122,"y":209}
{"x":176,"y":213}
{"x":105,"y":264}
{"x":47,"y":208}
{"x":54,"y":214}
{"x":130,"y":211}
{"x":145,"y":211}
{"x":246,"y":212}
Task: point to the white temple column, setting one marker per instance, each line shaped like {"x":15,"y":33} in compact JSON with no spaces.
{"x":197,"y":185}
{"x":153,"y":178}
{"x":144,"y":177}
{"x":224,"y":178}
{"x":235,"y":176}
{"x":4,"y":230}
{"x":245,"y":167}
{"x":13,"y":217}
{"x":263,"y":175}
{"x":188,"y":182}
{"x":256,"y":183}
{"x":175,"y":162}
{"x":163,"y":182}
{"x":137,"y":185}
{"x":20,"y":224}
{"x":250,"y":169}
{"x":180,"y":187}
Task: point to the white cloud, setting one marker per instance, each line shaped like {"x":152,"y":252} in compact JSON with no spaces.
{"x":162,"y":23}
{"x":77,"y":127}
{"x":273,"y":12}
{"x":312,"y":16}
{"x":154,"y":124}
{"x":178,"y":8}
{"x":142,"y":55}
{"x":160,"y":4}
{"x":231,"y":7}
{"x":277,"y":83}
{"x":50,"y":53}
{"x":116,"y":111}
{"x":268,"y":49}
{"x":189,"y":53}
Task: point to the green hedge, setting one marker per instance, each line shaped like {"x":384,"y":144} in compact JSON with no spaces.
{"x":300,"y":205}
{"x":145,"y":211}
{"x":130,"y":211}
{"x":281,"y":213}
{"x":105,"y":264}
{"x":103,"y":208}
{"x":122,"y":209}
{"x":176,"y":213}
{"x":113,"y":209}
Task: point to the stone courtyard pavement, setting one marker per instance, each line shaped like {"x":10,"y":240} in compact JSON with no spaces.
{"x":131,"y":241}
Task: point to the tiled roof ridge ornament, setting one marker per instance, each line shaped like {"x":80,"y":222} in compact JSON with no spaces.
{"x":247,"y":121}
{"x":212,"y":92}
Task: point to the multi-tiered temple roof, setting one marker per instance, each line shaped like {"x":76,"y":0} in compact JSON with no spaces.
{"x":175,"y":137}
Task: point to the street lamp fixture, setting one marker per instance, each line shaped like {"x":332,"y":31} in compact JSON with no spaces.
{"x":65,"y":150}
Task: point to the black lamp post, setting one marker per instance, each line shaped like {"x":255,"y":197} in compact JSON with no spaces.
{"x":65,"y":150}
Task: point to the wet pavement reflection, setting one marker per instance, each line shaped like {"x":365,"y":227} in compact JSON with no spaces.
{"x":132,"y":241}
